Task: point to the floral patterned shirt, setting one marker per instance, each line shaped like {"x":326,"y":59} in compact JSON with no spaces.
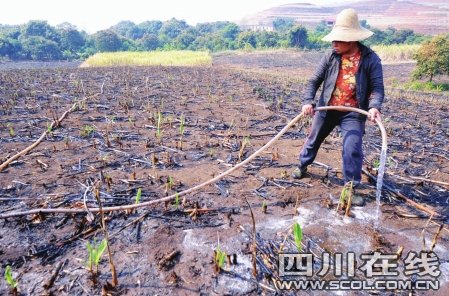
{"x":344,"y":93}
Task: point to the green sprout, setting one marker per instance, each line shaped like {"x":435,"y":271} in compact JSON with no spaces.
{"x":95,"y":252}
{"x":345,"y":192}
{"x":9,"y":279}
{"x":264,"y":207}
{"x":49,"y":128}
{"x":170,"y":183}
{"x":11,"y":130}
{"x":87,"y":130}
{"x":177,"y":200}
{"x":139,"y":194}
{"x":297,"y":233}
{"x":182,"y":126}
{"x":346,"y":196}
{"x":211,"y":152}
{"x":159,"y":125}
{"x":245,"y":142}
{"x":219,"y":258}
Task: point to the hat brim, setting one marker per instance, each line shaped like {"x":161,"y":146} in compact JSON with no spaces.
{"x":347,"y":34}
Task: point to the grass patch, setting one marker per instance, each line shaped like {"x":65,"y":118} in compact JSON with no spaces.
{"x":396,"y":52}
{"x":427,"y":86}
{"x":149,"y":58}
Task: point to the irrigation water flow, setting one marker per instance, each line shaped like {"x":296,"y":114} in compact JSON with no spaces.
{"x":216,"y":178}
{"x":380,"y":180}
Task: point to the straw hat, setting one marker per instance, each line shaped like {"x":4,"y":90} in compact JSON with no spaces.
{"x":347,"y":28}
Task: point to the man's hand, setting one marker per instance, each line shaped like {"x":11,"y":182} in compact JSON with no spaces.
{"x":374,"y":114}
{"x":308,"y":109}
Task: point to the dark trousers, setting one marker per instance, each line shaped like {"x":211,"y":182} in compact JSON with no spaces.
{"x":352,"y":125}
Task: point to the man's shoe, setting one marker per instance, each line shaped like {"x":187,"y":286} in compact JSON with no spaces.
{"x":299,"y":173}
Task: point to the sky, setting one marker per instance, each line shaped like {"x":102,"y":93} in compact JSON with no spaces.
{"x":95,"y":15}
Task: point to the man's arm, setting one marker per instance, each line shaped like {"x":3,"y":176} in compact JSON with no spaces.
{"x":376,"y":98}
{"x":315,"y":81}
{"x":376,"y":82}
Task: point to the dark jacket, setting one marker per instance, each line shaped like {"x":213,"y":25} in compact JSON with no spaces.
{"x":369,"y":80}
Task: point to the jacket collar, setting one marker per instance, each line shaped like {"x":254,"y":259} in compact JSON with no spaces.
{"x":364,"y":49}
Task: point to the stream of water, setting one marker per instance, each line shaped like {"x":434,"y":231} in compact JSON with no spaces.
{"x":380,"y":179}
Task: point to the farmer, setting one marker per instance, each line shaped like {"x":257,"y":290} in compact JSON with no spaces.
{"x":351,"y":75}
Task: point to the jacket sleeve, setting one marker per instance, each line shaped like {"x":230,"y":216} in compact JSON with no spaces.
{"x":376,"y":83}
{"x":314,"y":83}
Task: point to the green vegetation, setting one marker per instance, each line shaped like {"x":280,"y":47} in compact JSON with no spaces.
{"x":87,"y":131}
{"x":37,"y":40}
{"x":182,"y":126}
{"x":426,"y":86}
{"x":95,"y":252}
{"x":159,"y":125}
{"x":433,"y":58}
{"x":264,"y":207}
{"x":170,"y":183}
{"x":346,"y":198}
{"x":49,"y":127}
{"x":297,"y":234}
{"x":12,"y":283}
{"x":11,"y":130}
{"x":176,"y":200}
{"x":138,"y":195}
{"x":219,"y":259}
{"x":151,"y":58}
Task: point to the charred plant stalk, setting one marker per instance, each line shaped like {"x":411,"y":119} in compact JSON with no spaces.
{"x":48,"y":284}
{"x":434,"y":242}
{"x":349,"y":199}
{"x":106,"y":236}
{"x":253,"y":245}
{"x":423,"y":233}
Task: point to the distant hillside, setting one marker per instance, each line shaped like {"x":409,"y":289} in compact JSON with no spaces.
{"x":422,"y":16}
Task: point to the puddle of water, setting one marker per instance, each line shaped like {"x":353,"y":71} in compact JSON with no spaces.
{"x":192,"y":241}
{"x":325,"y":225}
{"x":235,"y":285}
{"x":363,"y":214}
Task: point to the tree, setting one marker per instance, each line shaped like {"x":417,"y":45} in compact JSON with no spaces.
{"x":172,"y":28}
{"x":150,"y":27}
{"x":42,"y":29}
{"x":6,"y":47}
{"x":247,"y":38}
{"x":40,"y":48}
{"x":230,"y":31}
{"x":186,"y":38}
{"x":267,"y":39}
{"x":227,"y":27}
{"x":149,"y":42}
{"x":433,"y":58}
{"x":364,"y":23}
{"x":128,"y":29}
{"x":401,"y":36}
{"x":10,"y":31}
{"x":71,"y":39}
{"x":297,"y":36}
{"x":283,"y":24}
{"x":107,"y":41}
{"x":205,"y":28}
